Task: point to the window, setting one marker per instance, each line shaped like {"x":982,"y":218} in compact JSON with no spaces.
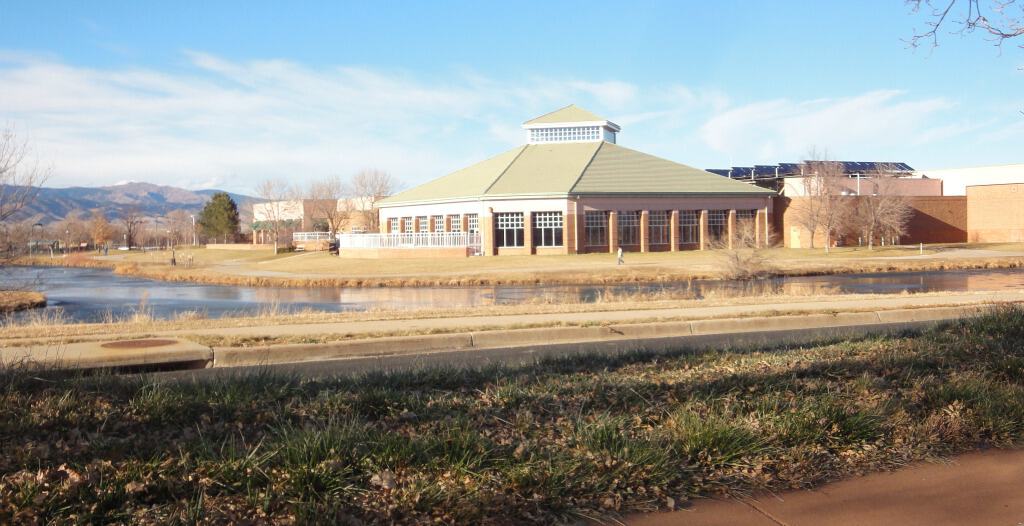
{"x":509,"y":229}
{"x":629,"y":228}
{"x":595,"y":228}
{"x":473,"y":223}
{"x":658,"y":226}
{"x":407,"y":225}
{"x":422,"y":225}
{"x":393,"y":225}
{"x":746,"y":226}
{"x":455,"y":222}
{"x":717,"y":224}
{"x":689,"y":226}
{"x":547,"y":229}
{"x":438,"y":223}
{"x":573,"y":134}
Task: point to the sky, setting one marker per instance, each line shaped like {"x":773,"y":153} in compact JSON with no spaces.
{"x":227,"y":94}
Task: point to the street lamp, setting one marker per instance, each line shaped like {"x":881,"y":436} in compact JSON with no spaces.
{"x":193,"y":230}
{"x":31,"y":246}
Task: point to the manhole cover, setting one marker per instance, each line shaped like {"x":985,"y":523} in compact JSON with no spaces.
{"x":137,"y":344}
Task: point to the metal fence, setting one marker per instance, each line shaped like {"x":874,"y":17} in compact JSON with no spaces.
{"x":312,"y":236}
{"x":411,"y":240}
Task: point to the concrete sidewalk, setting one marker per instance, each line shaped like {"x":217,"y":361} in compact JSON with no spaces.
{"x":983,"y":488}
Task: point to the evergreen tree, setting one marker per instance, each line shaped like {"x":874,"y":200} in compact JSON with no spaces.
{"x":219,"y":217}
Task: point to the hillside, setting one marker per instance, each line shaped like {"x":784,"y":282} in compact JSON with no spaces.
{"x":52,"y":204}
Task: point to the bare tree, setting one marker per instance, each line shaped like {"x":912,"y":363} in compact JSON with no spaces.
{"x":20,"y":174}
{"x":132,"y":222}
{"x":179,"y":222}
{"x":744,"y":258}
{"x":71,"y":230}
{"x":884,"y":213}
{"x":1001,"y":20}
{"x":825,"y":206}
{"x":330,"y":201}
{"x":279,"y":204}
{"x":368,"y":187}
{"x":100,"y":229}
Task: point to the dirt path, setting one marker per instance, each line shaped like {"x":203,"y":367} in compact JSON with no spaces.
{"x":984,"y":488}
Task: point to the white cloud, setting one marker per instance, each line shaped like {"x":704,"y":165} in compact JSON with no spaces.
{"x":773,"y":130}
{"x":232,"y":123}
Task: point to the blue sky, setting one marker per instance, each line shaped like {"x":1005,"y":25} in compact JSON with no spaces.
{"x":225,"y":94}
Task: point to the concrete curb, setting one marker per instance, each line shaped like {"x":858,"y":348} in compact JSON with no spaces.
{"x":182,"y":354}
{"x":274,"y":354}
{"x":660,"y":335}
{"x":168,"y":353}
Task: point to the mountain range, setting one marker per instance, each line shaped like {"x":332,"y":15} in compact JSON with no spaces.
{"x":53,"y":204}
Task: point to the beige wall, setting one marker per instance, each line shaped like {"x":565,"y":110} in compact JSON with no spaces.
{"x":995,"y":213}
{"x":956,"y":180}
{"x":908,"y":186}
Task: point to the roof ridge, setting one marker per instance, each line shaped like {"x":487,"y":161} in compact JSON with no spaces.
{"x":584,"y":170}
{"x":504,"y":170}
{"x":550,"y":113}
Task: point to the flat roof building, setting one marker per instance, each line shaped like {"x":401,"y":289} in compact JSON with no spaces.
{"x":572,"y":189}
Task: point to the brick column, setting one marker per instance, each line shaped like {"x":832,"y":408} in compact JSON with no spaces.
{"x":464,"y":227}
{"x":528,"y":232}
{"x":645,"y":231}
{"x":569,"y":233}
{"x":430,"y":223}
{"x":766,"y":232}
{"x":581,"y":232}
{"x":731,"y":228}
{"x":487,"y":234}
{"x":613,"y":231}
{"x":703,"y":229}
{"x":673,"y":231}
{"x":447,"y":223}
{"x":401,"y":225}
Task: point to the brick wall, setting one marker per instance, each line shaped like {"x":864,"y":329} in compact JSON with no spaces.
{"x":995,"y":213}
{"x":934,"y":219}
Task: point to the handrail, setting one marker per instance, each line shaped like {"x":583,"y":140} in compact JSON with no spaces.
{"x":410,"y":240}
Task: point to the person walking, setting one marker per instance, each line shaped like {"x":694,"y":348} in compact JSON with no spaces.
{"x":620,"y":260}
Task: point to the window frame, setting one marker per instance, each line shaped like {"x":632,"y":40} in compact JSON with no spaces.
{"x":548,"y":229}
{"x":595,"y":229}
{"x":510,"y":230}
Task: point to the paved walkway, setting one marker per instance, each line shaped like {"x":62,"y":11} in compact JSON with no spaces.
{"x":837,"y":304}
{"x":985,"y":488}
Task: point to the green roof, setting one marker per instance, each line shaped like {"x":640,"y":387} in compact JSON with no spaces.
{"x":570,"y":113}
{"x":587,"y":168}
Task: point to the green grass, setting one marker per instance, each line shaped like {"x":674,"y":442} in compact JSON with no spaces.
{"x":580,"y":437}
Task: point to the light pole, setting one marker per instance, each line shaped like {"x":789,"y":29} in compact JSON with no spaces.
{"x":193,"y":230}
{"x":31,"y":246}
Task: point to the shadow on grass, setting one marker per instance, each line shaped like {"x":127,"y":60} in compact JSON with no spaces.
{"x":586,"y":436}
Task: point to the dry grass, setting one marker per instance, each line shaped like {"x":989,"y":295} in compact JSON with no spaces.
{"x":260,"y":268}
{"x":588,"y":436}
{"x":17,"y":300}
{"x":56,"y":327}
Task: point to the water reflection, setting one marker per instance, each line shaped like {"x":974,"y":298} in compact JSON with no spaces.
{"x":94,"y":295}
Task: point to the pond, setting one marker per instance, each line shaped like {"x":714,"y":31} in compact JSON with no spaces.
{"x":96,"y":295}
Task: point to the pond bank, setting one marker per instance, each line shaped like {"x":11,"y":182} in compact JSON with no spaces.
{"x":628,"y":274}
{"x":18,"y":300}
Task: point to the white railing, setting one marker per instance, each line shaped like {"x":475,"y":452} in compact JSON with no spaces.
{"x":413,"y":240}
{"x":312,"y":236}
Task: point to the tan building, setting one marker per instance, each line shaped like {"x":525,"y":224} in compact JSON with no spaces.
{"x":995,"y":213}
{"x":570,"y":189}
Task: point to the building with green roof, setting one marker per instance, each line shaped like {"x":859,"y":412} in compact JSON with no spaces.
{"x":572,"y":189}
